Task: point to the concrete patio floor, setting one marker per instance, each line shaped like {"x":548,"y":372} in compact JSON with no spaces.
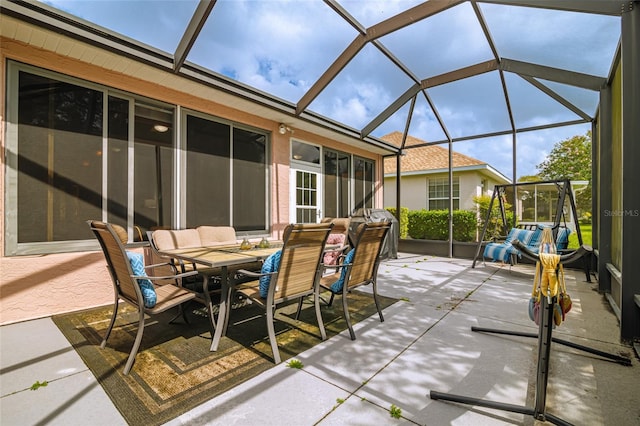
{"x":424,"y":344}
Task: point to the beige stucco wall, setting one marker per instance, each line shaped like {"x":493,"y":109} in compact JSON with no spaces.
{"x":37,"y":286}
{"x":414,"y":189}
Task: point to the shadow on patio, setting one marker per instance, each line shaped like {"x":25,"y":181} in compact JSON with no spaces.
{"x":425,"y":344}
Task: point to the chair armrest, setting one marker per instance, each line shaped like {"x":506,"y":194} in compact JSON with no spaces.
{"x":159,"y":264}
{"x":254,"y":274}
{"x":337,"y":266}
{"x":333,"y":248}
{"x":166,"y":277}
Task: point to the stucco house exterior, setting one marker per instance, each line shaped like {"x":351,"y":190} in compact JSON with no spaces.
{"x":425,"y":177}
{"x":88,"y":132}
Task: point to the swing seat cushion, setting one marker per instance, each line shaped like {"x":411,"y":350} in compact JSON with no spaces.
{"x":562,"y":239}
{"x":522,"y":235}
{"x":505,"y":252}
{"x":502,"y":252}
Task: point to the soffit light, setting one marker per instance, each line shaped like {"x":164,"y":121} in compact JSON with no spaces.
{"x":283,"y":128}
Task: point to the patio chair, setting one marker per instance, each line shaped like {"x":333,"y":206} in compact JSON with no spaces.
{"x":295,"y":274}
{"x":133,"y":286}
{"x":359,"y":267}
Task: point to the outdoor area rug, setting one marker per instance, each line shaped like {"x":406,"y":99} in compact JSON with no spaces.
{"x":174,"y":369}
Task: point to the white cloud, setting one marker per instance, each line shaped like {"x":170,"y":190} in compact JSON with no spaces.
{"x":283,"y":47}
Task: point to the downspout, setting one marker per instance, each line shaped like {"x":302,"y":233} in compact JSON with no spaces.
{"x":399,"y":162}
{"x":450,"y":198}
{"x":398,"y":165}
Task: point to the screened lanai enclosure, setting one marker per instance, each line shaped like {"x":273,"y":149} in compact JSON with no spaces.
{"x":501,"y":81}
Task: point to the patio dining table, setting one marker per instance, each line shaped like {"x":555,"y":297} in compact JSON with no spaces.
{"x":221,"y":257}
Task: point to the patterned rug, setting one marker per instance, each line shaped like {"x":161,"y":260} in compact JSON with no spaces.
{"x":174,"y":369}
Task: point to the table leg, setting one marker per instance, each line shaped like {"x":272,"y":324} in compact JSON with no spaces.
{"x":207,"y":301}
{"x":222,"y":310}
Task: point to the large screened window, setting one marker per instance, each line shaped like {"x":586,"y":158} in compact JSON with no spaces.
{"x":59,"y":160}
{"x":439,"y":193}
{"x":336,"y":183}
{"x":117,"y":157}
{"x":347,"y":181}
{"x":153,"y":167}
{"x":226,"y":175}
{"x":364,"y":181}
{"x":250,"y":180}
{"x":78,"y":151}
{"x":208,"y":172}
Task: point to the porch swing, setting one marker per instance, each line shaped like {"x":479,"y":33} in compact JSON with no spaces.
{"x":529,"y":234}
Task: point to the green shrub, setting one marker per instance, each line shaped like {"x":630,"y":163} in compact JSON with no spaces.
{"x":404,"y":219}
{"x":434,"y":225}
{"x":464,"y":225}
{"x":495,"y":227}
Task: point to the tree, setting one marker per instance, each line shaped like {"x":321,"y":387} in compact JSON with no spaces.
{"x":529,"y":178}
{"x":571,"y":159}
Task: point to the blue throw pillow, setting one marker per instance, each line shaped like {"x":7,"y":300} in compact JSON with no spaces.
{"x":146,"y":287}
{"x":270,"y":265}
{"x":337,"y":286}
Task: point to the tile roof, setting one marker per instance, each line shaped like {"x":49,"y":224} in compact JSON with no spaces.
{"x":424,"y":158}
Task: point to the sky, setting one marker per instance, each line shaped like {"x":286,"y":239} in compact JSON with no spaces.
{"x":282,"y":47}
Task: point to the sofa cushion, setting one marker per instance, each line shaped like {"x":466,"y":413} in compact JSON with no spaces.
{"x":176,"y":238}
{"x":500,"y":251}
{"x":536,"y":238}
{"x":216,"y":235}
{"x":522,"y":235}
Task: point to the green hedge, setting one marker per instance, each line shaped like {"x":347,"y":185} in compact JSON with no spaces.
{"x":434,"y":225}
{"x":404,"y":220}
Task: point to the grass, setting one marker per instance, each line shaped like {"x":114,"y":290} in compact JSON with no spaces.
{"x":294,"y":363}
{"x":585,"y":230}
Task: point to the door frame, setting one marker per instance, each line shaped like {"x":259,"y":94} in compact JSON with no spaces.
{"x":293,"y":206}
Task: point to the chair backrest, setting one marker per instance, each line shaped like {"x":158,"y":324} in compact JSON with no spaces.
{"x":340,"y":225}
{"x":299,"y":267}
{"x":112,"y":239}
{"x":366,"y":258}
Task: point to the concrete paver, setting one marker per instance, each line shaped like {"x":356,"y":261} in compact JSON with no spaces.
{"x":425,"y":343}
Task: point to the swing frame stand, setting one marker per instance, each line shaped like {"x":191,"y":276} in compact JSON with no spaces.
{"x":545,"y":338}
{"x":565,"y":192}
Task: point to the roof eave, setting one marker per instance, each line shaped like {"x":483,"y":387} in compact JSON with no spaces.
{"x":482,"y":168}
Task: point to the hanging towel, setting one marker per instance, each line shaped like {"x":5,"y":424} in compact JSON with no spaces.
{"x":549,"y":278}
